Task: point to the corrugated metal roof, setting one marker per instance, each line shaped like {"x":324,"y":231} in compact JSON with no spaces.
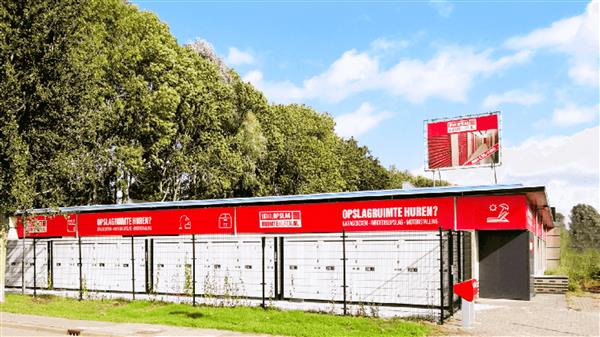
{"x":405,"y":193}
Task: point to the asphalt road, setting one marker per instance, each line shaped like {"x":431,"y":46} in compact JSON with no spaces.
{"x":22,"y":331}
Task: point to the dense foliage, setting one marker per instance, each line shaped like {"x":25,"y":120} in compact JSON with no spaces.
{"x":97,"y":97}
{"x":579,"y":248}
{"x":585,"y":227}
{"x":582,"y":266}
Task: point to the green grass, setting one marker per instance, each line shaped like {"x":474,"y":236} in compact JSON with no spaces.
{"x":243,"y":319}
{"x":582,"y":267}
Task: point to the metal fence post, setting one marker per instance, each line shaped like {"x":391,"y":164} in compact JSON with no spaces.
{"x":450,"y":272}
{"x":262,"y":242}
{"x":80,"y":268}
{"x":34,"y":269}
{"x":344,"y":286}
{"x":459,"y":238}
{"x":23,"y":222}
{"x":441,"y":276}
{"x":132,"y":269}
{"x":194,"y":269}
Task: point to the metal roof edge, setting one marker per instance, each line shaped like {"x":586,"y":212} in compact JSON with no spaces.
{"x":446,"y":190}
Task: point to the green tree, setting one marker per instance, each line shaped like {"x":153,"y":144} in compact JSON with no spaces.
{"x":360,"y":170}
{"x":584,"y":227}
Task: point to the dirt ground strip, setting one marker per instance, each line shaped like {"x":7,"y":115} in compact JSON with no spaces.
{"x":545,"y":315}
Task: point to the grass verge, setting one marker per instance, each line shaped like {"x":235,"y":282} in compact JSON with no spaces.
{"x":243,"y":319}
{"x":582,"y":267}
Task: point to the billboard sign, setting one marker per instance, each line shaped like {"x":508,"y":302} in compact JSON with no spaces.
{"x":467,"y":141}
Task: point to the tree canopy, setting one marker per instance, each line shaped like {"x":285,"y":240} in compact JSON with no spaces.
{"x":584,"y":227}
{"x":97,"y":97}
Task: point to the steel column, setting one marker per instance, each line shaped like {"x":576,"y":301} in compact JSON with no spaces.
{"x":193,"y":269}
{"x":262,"y":242}
{"x":132,"y":269}
{"x":34,"y":269}
{"x":80,"y":269}
{"x":441,"y":275}
{"x":344,"y":286}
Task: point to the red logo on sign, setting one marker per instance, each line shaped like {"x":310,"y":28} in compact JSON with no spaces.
{"x":280,"y":219}
{"x":225,"y":220}
{"x":185,"y":222}
{"x":500,"y":211}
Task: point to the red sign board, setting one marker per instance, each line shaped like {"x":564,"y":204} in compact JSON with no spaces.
{"x":378,"y":215}
{"x":492,"y":212}
{"x":500,"y":212}
{"x":467,"y":289}
{"x":59,"y":225}
{"x":463,"y":142}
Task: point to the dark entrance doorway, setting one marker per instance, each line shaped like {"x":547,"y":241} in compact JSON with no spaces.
{"x":504,"y":264}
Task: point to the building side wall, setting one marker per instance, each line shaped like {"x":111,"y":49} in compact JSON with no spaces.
{"x":553,"y":248}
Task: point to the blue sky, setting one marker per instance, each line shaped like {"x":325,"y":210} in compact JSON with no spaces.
{"x":381,"y":68}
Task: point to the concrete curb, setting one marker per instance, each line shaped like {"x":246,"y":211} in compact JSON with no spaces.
{"x":56,"y":329}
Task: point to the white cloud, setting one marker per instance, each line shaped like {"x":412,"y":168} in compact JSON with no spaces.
{"x":449,"y":74}
{"x":254,"y":76}
{"x":278,"y":92}
{"x":237,"y":57}
{"x":520,"y":97}
{"x":567,"y":165}
{"x":572,"y":114}
{"x":576,"y":37}
{"x":385,"y":44}
{"x":443,"y":7}
{"x":360,"y":121}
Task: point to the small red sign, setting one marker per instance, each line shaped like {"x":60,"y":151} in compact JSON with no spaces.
{"x":467,"y":289}
{"x":492,"y":212}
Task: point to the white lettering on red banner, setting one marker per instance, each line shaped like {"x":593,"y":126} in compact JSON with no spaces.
{"x":124,"y":224}
{"x":280,"y":219}
{"x":462,"y":125}
{"x":390,"y":216}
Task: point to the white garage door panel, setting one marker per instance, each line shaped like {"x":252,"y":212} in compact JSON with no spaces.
{"x":65,"y":269}
{"x":172,"y":265}
{"x":14,"y":253}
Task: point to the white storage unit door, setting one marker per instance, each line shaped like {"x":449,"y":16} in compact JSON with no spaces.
{"x":172,"y":267}
{"x":313,"y":267}
{"x":395,"y":268}
{"x":232,"y":266}
{"x":107,"y":263}
{"x":41,"y":265}
{"x":65,"y":259}
{"x":14,"y":253}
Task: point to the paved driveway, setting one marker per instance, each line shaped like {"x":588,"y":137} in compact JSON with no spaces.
{"x":545,"y":315}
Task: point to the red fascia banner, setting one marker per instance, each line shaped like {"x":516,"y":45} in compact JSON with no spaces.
{"x":355,"y":216}
{"x":492,"y":212}
{"x":530,"y":220}
{"x":55,"y":225}
{"x":217,"y":220}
